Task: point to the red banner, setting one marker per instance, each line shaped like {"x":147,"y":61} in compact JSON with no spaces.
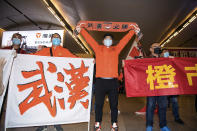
{"x":160,"y":76}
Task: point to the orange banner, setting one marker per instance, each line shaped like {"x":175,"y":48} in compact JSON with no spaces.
{"x":109,"y":26}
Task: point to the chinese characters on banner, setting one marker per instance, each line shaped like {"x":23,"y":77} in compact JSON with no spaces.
{"x":183,"y":52}
{"x":109,"y":26}
{"x":160,"y":76}
{"x":33,"y":38}
{"x":49,"y":90}
{"x":163,"y":75}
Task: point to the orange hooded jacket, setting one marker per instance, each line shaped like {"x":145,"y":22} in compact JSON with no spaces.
{"x":106,"y":57}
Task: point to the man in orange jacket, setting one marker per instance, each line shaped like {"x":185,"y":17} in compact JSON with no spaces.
{"x":106,"y":73}
{"x":57,"y":51}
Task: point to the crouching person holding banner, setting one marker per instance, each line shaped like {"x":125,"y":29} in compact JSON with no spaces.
{"x":57,"y":51}
{"x":161,"y":101}
{"x":106,"y":74}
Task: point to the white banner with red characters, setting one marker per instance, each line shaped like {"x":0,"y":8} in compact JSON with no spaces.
{"x":6,"y":59}
{"x":49,"y":90}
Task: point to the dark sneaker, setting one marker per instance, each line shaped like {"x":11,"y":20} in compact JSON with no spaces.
{"x":97,"y":126}
{"x":179,"y":121}
{"x":58,"y":128}
{"x":42,"y":128}
{"x":114,"y":127}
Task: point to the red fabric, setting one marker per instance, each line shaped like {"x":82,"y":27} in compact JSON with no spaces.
{"x":136,"y":76}
{"x":21,"y":50}
{"x":134,"y":52}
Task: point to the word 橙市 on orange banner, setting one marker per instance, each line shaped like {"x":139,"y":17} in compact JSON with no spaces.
{"x":160,"y":76}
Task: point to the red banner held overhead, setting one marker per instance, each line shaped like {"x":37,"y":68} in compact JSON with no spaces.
{"x":109,"y":26}
{"x":160,"y":76}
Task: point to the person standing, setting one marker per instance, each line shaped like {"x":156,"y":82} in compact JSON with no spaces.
{"x":173,"y":98}
{"x":161,"y":101}
{"x":106,"y":74}
{"x":55,"y":51}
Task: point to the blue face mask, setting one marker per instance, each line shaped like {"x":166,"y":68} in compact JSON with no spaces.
{"x":16,"y":41}
{"x":56,"y":41}
{"x":166,"y":54}
{"x":107,"y":42}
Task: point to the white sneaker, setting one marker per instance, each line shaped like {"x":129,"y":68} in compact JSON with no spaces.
{"x":114,"y":127}
{"x":97,"y":126}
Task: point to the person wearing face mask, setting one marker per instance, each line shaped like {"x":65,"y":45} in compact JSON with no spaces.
{"x":16,"y":43}
{"x":106,"y":74}
{"x":173,"y":98}
{"x":161,"y":101}
{"x":57,"y":51}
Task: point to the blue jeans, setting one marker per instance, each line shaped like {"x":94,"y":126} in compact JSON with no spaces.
{"x":175,"y":106}
{"x":162,"y":107}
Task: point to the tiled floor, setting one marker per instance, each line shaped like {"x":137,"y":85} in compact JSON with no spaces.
{"x":129,"y":121}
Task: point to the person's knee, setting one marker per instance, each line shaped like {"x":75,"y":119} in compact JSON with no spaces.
{"x":174,"y":100}
{"x":150,"y":105}
{"x":114,"y":107}
{"x":162,"y":106}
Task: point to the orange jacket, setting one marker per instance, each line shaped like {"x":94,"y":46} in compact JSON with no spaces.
{"x":106,"y":57}
{"x":57,"y":52}
{"x":120,"y":77}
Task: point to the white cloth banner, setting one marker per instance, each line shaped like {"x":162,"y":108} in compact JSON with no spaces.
{"x":8,"y":56}
{"x":49,"y":90}
{"x":32,"y":38}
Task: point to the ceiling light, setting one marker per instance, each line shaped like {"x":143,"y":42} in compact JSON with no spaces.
{"x":192,"y":19}
{"x":53,"y":10}
{"x":182,"y":26}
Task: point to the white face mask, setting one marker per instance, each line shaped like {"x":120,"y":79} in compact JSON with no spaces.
{"x":107,"y":42}
{"x":166,"y":54}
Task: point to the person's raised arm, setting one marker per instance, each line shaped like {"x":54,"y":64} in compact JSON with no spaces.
{"x":69,"y":54}
{"x":123,"y":42}
{"x":89,"y":39}
{"x":43,"y":52}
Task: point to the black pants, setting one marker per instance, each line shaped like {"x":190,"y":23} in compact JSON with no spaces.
{"x":103,"y":87}
{"x":196,"y":103}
